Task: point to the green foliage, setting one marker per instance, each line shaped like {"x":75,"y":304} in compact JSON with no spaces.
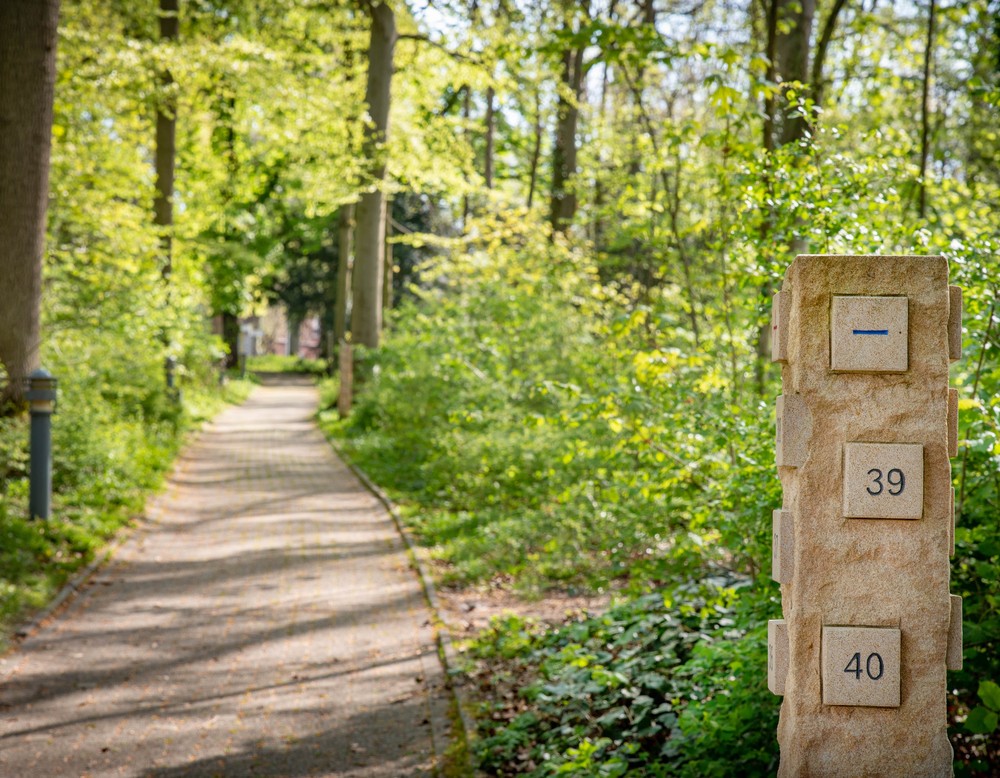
{"x":983,"y":719}
{"x":664,"y":685}
{"x":552,"y":443}
{"x":274,"y":363}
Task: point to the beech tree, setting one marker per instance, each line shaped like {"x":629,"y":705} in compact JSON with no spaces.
{"x":27,"y":78}
{"x":369,"y":250}
{"x":166,"y":134}
{"x":563,"y":202}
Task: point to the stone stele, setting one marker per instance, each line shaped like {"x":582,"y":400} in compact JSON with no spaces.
{"x":878,"y":580}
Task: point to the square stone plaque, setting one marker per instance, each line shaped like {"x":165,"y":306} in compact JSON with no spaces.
{"x":861,"y":666}
{"x":883,"y":480}
{"x":869,"y":334}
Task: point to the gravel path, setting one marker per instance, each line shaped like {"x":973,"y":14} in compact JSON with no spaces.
{"x":265,"y":623}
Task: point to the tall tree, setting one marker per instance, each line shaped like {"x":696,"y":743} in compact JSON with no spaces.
{"x":925,"y":109}
{"x":27,"y":80}
{"x":166,"y":141}
{"x":369,"y":250}
{"x":789,"y":52}
{"x":345,"y":250}
{"x":563,"y":202}
{"x":788,"y":35}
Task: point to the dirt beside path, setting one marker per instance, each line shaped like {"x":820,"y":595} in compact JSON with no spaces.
{"x":265,"y":623}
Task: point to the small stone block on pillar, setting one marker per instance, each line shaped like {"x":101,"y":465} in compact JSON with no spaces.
{"x":951,"y":524}
{"x":791,"y":431}
{"x":861,"y":666}
{"x":955,"y":637}
{"x":954,"y":323}
{"x":869,"y":334}
{"x":782,"y":546}
{"x":883,"y":480}
{"x":779,"y":327}
{"x":777,"y":655}
{"x":953,"y":422}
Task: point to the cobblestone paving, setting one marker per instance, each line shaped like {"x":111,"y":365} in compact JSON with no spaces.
{"x":266,"y":623}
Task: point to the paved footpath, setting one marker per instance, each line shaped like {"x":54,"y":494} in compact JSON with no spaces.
{"x":266,"y":623}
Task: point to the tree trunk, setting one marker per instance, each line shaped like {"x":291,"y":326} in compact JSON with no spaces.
{"x":536,"y":152}
{"x":387,"y":277}
{"x":166,"y":142}
{"x":770,"y":99}
{"x":466,"y":113}
{"x":366,"y":317}
{"x":792,"y":55}
{"x":345,"y":234}
{"x":563,"y":207}
{"x":490,"y":121}
{"x":294,"y":327}
{"x":925,"y":114}
{"x":231,"y":336}
{"x":27,"y":79}
{"x":817,"y":82}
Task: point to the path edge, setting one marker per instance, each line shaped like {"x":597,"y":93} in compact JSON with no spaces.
{"x":104,"y":559}
{"x":446,"y":648}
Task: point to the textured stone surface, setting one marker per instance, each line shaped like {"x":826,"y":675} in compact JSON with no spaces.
{"x":955,"y":322}
{"x":953,"y":422}
{"x":779,"y":327}
{"x":955,"y":637}
{"x":951,"y":525}
{"x":782,"y":546}
{"x":859,"y":572}
{"x":791,"y":431}
{"x":267,"y":624}
{"x":777,"y":655}
{"x":861,"y":666}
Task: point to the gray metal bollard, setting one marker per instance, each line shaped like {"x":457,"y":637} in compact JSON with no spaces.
{"x":170,"y":365}
{"x":41,"y":396}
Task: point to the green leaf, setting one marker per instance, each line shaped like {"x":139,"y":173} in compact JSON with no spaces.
{"x":989,"y":693}
{"x":981,"y":721}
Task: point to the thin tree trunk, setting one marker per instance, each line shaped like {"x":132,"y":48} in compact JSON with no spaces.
{"x":387,"y":278}
{"x":792,"y":54}
{"x":166,"y":143}
{"x":366,"y":317}
{"x":770,"y":99}
{"x":27,"y":79}
{"x":536,"y":153}
{"x":925,"y":111}
{"x":563,"y":206}
{"x":231,"y":336}
{"x":466,"y":115}
{"x":345,"y":234}
{"x":294,"y":329}
{"x":490,"y":121}
{"x":817,"y":84}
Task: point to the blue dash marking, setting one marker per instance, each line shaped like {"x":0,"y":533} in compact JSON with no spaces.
{"x":871,"y":332}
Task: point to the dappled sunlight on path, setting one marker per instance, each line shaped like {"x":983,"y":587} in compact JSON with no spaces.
{"x":266,"y":623}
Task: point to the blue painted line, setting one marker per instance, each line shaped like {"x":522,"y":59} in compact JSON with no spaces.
{"x":871,"y":332}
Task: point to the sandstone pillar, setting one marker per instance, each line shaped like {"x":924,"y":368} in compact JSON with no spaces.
{"x":865,"y":427}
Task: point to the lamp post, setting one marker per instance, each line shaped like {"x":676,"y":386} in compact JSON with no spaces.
{"x":41,"y":396}
{"x":170,"y":365}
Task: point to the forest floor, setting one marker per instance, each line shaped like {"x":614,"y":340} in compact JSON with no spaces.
{"x":264,"y":621}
